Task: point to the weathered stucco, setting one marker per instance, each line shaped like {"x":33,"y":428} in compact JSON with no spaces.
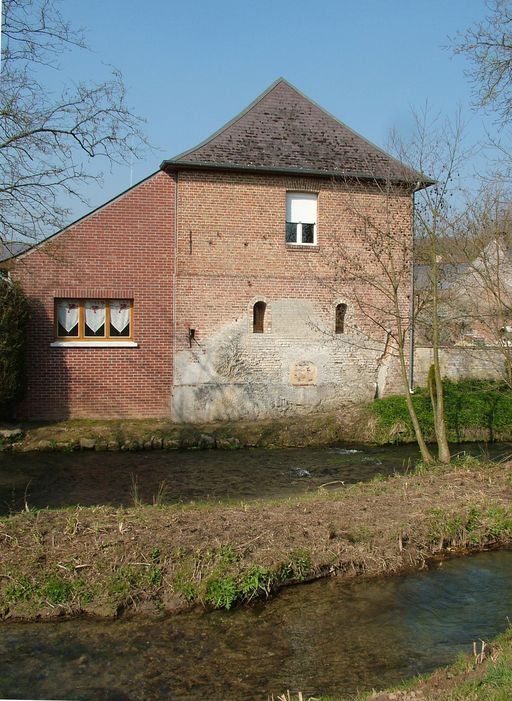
{"x":298,"y":367}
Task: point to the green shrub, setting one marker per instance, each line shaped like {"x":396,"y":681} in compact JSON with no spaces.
{"x":479,"y":408}
{"x":13,"y":318}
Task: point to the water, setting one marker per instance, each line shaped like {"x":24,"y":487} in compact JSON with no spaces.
{"x":328,"y":637}
{"x":88,"y":478}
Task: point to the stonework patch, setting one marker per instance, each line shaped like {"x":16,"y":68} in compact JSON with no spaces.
{"x":303,"y":373}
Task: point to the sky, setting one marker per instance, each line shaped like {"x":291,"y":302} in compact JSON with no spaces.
{"x":189,"y":67}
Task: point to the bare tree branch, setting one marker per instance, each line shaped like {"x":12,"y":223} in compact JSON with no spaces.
{"x":47,"y":139}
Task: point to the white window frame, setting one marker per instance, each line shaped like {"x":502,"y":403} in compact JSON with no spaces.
{"x":303,"y":203}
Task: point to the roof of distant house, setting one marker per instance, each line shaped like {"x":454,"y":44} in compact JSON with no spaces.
{"x":9,"y":249}
{"x":285,"y":131}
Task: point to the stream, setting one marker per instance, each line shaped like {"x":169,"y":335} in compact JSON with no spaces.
{"x":328,"y":637}
{"x":57,"y":480}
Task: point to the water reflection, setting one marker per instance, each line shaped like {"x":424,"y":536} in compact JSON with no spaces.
{"x":323,"y":638}
{"x":63,"y":479}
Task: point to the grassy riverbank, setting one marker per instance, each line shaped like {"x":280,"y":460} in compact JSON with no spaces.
{"x":354,"y":424}
{"x":475,"y":411}
{"x":154,"y":559}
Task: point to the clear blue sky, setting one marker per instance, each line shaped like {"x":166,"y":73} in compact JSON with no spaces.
{"x":190,"y":66}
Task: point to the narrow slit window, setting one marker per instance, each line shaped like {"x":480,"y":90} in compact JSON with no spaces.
{"x":341,"y":310}
{"x":258,"y":317}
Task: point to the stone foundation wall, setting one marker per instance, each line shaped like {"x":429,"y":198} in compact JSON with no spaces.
{"x":299,"y":367}
{"x":460,"y":363}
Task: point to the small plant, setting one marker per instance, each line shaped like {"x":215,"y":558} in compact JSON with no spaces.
{"x":257,"y":580}
{"x":162,"y":495}
{"x":155,"y":576}
{"x":185,"y":587}
{"x":297,"y":567}
{"x":123,"y":581}
{"x":20,"y":589}
{"x":134,"y":490}
{"x":221,"y":592}
{"x":228,"y":555}
{"x":56,"y":590}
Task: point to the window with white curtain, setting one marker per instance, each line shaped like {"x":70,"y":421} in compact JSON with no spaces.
{"x":93,"y":319}
{"x":301,"y":218}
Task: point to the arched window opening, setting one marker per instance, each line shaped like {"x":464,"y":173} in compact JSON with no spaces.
{"x":258,"y":317}
{"x":341,"y":310}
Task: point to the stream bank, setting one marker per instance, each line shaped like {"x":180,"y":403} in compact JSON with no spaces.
{"x":354,"y":423}
{"x":327,"y":638}
{"x":106,"y":561}
{"x":475,"y":410}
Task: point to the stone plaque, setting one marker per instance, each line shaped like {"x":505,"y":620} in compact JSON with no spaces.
{"x":303,"y":373}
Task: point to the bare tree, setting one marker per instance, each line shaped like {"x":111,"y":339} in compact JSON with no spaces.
{"x":47,"y":138}
{"x":488,"y":44}
{"x":379,"y":271}
{"x":377,"y":275}
{"x":437,"y":150}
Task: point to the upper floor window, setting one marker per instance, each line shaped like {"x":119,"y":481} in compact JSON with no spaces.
{"x":258,"y":317}
{"x":93,"y":319}
{"x":301,"y":218}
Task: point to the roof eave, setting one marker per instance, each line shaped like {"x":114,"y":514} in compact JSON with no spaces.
{"x":418,"y":181}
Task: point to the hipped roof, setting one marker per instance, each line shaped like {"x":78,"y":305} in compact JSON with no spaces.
{"x":285,"y":131}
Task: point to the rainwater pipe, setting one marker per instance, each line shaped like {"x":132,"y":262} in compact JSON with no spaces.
{"x":411,"y":301}
{"x":174,"y":282}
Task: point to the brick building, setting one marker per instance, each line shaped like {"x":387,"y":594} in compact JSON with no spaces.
{"x":207,"y":291}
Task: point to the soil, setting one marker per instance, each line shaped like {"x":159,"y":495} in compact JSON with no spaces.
{"x":103,"y":560}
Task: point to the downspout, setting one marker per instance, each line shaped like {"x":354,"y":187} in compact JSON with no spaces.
{"x":411,"y":301}
{"x":174,"y":282}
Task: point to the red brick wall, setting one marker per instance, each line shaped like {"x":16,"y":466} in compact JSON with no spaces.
{"x":230,"y":251}
{"x":124,"y":249}
{"x":231,"y":246}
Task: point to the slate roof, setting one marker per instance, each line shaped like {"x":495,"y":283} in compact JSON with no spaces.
{"x":285,"y":131}
{"x":11,"y":248}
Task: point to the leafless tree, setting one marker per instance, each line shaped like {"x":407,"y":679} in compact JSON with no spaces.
{"x":377,"y":274}
{"x":488,"y":44}
{"x":379,"y":271}
{"x":437,"y":149}
{"x":48,"y":137}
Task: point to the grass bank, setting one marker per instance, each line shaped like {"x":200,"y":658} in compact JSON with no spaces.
{"x":475,"y":410}
{"x":152,"y":559}
{"x":353,"y":424}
